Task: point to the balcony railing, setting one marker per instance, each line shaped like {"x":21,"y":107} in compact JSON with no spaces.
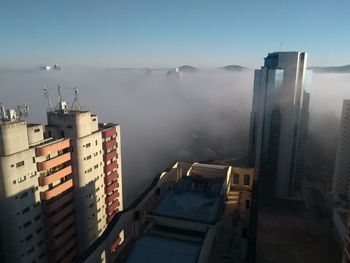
{"x":51,"y":233}
{"x":48,"y":208}
{"x":112,"y":187}
{"x":47,"y":195}
{"x":49,"y":164}
{"x":108,"y":133}
{"x":49,"y":179}
{"x":110,"y":167}
{"x":52,"y":148}
{"x":109,"y":144}
{"x":111,"y":177}
{"x":109,"y":156}
{"x":60,"y":215}
{"x":112,"y":197}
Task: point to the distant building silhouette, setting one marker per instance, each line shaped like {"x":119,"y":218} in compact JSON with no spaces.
{"x":279,"y":120}
{"x":341,"y":176}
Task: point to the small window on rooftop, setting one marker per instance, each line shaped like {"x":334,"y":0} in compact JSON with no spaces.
{"x":36,"y":130}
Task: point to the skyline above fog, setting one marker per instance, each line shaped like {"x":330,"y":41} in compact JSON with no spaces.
{"x":200,"y":116}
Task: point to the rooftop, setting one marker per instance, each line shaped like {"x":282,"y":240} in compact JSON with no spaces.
{"x":150,"y":248}
{"x":193,"y":198}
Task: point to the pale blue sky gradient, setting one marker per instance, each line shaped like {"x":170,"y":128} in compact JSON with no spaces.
{"x":162,"y":33}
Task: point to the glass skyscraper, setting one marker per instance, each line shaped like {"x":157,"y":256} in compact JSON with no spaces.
{"x":279,"y":121}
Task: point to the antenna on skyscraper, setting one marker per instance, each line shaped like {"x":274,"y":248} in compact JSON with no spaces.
{"x":47,"y":97}
{"x":75,"y":104}
{"x":59,"y":93}
{"x":281,"y":46}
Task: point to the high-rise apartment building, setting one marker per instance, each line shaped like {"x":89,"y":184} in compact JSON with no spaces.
{"x":279,"y":120}
{"x":341,"y":176}
{"x":58,"y":192}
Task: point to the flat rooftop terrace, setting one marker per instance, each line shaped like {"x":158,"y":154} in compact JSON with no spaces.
{"x":194,"y":198}
{"x":150,"y":248}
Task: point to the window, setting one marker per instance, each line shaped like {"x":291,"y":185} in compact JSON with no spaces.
{"x":88,"y":157}
{"x":88,"y":145}
{"x":25,"y":210}
{"x":14,"y":181}
{"x":37,"y":217}
{"x":33,"y":159}
{"x":12,"y":165}
{"x":28,"y":223}
{"x":19,"y":164}
{"x":96,"y":166}
{"x":21,"y":179}
{"x":29,"y":237}
{"x":235,"y":178}
{"x":96,"y":142}
{"x":36,"y":130}
{"x":69,"y":126}
{"x":246,"y":179}
{"x":30,"y":250}
{"x":38,"y":231}
{"x":23,"y":195}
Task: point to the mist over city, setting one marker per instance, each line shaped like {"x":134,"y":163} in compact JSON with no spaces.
{"x":184,"y":131}
{"x":201,"y":116}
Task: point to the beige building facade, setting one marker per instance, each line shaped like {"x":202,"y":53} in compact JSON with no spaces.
{"x":59,"y":186}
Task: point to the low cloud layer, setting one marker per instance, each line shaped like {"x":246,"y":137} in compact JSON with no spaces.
{"x":200,"y":116}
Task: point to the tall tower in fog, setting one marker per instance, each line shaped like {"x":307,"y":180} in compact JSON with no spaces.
{"x":279,"y":120}
{"x":341,"y":176}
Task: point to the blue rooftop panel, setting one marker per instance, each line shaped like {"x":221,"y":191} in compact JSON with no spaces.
{"x":193,"y":198}
{"x":154,"y":249}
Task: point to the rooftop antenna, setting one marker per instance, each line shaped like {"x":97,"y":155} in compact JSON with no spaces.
{"x":281,"y":45}
{"x":3,"y":115}
{"x":75,"y":104}
{"x":59,"y":93}
{"x":47,"y":97}
{"x":22,"y":111}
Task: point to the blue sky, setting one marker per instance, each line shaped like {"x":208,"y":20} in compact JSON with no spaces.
{"x":161,"y":33}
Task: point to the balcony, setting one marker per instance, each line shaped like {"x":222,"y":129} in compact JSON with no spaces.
{"x":115,"y":244}
{"x":111,"y":208}
{"x":111,"y":177}
{"x":69,"y":257}
{"x":47,"y":195}
{"x":110,"y":217}
{"x":109,"y":156}
{"x":57,"y":218}
{"x":67,"y":223}
{"x":66,"y":237}
{"x":110,"y":167}
{"x":108,"y":133}
{"x":109,"y":144}
{"x":49,"y":164}
{"x":111,"y":198}
{"x":112,"y":187}
{"x":49,"y":179}
{"x":52,"y":147}
{"x":62,"y":251}
{"x":48,"y":208}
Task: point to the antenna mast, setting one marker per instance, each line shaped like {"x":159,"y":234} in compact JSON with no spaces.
{"x":75,"y":104}
{"x":47,"y":97}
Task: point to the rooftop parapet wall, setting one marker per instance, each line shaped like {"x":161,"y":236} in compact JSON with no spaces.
{"x":13,"y":138}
